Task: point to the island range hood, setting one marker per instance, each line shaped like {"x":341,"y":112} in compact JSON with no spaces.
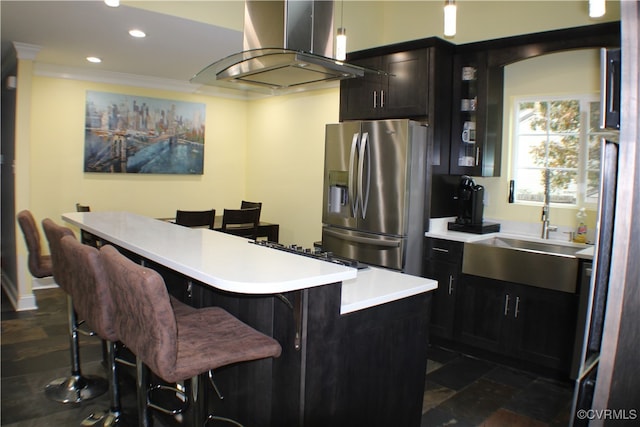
{"x":288,"y":48}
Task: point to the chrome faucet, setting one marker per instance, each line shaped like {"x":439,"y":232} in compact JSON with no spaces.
{"x":546,"y":227}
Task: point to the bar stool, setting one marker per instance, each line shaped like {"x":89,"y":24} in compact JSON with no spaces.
{"x":39,"y":265}
{"x":175,"y":346}
{"x":77,"y":387}
{"x":94,"y":303}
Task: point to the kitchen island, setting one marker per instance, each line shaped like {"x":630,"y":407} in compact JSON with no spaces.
{"x":354,"y":341}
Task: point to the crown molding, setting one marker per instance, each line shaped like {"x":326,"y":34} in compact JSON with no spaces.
{"x":26,"y":51}
{"x":111,"y":77}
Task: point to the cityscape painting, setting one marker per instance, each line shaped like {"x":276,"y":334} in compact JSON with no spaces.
{"x":134,"y":134}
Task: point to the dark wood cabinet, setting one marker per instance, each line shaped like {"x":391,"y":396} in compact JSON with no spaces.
{"x":526,"y":323}
{"x":401,"y":90}
{"x":443,"y":262}
{"x":483,"y":313}
{"x":544,"y":326}
{"x":476,"y":117}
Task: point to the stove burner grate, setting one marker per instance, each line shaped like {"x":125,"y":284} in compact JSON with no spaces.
{"x":316,"y":253}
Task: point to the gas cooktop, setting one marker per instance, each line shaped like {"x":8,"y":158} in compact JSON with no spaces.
{"x":316,"y":253}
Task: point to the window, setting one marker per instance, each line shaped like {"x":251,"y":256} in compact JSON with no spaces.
{"x":562,"y":137}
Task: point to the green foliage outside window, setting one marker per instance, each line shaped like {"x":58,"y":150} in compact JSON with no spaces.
{"x":559,"y":137}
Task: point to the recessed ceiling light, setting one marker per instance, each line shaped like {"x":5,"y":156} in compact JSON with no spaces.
{"x":94,"y":59}
{"x":112,"y":3}
{"x":137,"y":33}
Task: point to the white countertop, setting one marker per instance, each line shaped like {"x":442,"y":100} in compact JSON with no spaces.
{"x":375,"y":286}
{"x":232,"y":264}
{"x":438,"y":229}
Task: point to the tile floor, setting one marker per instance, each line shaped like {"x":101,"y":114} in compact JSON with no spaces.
{"x":465,"y":391}
{"x":460,"y":390}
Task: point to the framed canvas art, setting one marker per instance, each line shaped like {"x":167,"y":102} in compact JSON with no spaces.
{"x":135,"y":134}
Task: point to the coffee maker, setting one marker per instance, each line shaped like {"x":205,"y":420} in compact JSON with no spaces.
{"x":470,"y":207}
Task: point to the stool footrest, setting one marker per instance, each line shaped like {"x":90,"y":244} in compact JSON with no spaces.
{"x":182,"y":396}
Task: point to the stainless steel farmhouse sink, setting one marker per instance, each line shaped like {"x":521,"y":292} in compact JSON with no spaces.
{"x":542,"y":264}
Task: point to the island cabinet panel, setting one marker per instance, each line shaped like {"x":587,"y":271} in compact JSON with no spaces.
{"x":362,"y":368}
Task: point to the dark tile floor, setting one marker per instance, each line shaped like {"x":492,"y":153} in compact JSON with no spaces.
{"x":460,"y":390}
{"x":464,"y":391}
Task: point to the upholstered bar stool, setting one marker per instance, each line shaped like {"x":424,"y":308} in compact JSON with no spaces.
{"x":175,"y":346}
{"x":94,"y":303}
{"x":39,"y":264}
{"x":76,"y":387}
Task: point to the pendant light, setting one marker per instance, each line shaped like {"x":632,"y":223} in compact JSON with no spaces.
{"x":112,"y":3}
{"x":341,"y":37}
{"x":596,"y":8}
{"x":450,"y":18}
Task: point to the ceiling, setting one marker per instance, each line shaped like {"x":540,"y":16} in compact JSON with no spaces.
{"x":69,"y":31}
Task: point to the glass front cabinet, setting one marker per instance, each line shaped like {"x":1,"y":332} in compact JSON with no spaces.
{"x":476,"y":119}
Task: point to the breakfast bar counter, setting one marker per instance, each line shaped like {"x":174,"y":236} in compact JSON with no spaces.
{"x":354,"y":341}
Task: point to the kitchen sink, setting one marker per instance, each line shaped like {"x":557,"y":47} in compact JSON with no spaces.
{"x":550,"y":248}
{"x":535,"y":263}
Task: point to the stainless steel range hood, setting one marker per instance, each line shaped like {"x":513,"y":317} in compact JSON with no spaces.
{"x":288,"y":48}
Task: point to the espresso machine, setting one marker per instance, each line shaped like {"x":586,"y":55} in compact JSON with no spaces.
{"x":470,"y":207}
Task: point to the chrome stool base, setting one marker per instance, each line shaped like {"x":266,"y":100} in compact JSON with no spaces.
{"x":109,"y":419}
{"x":75,"y":389}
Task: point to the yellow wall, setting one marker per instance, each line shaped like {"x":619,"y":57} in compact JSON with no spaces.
{"x":57,"y":148}
{"x":566,"y":73}
{"x":285,"y":160}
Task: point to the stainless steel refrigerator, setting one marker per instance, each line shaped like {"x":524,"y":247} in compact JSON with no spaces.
{"x":375,"y":204}
{"x":592,"y":308}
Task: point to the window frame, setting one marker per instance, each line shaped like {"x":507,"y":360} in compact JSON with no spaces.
{"x":585,"y":100}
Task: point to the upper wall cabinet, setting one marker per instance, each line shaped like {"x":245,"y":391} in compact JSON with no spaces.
{"x":403,"y":89}
{"x":476,"y":118}
{"x":401,"y":92}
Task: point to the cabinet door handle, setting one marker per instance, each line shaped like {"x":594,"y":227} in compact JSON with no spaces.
{"x":477,"y":156}
{"x":450,"y":284}
{"x":381,"y":99}
{"x":446,"y":251}
{"x":515,"y":315}
{"x":375,"y":99}
{"x":506,"y":304}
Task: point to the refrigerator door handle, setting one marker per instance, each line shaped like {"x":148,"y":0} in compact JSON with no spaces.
{"x":353,"y":200}
{"x":365,"y":240}
{"x":363,"y":191}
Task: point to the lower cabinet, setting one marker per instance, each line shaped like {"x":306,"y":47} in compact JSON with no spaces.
{"x":443,"y":262}
{"x":524,"y":322}
{"x":443,"y":303}
{"x":528,"y":325}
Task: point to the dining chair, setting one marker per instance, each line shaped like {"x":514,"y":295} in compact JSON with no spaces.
{"x":86,"y":237}
{"x":175,"y":345}
{"x":196,"y":218}
{"x":241,"y":222}
{"x":248,"y":205}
